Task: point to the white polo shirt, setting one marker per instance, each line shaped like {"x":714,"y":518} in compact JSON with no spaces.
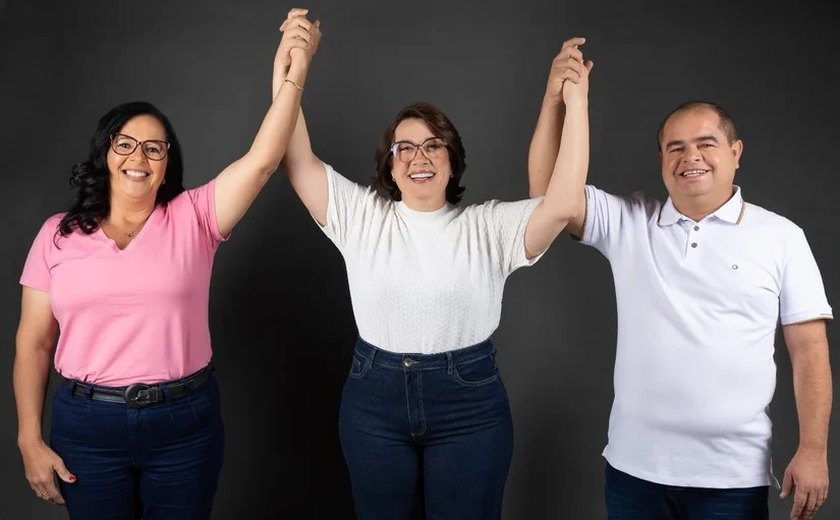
{"x":698,"y":305}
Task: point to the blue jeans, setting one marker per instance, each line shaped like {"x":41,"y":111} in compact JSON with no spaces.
{"x":158,"y":462}
{"x":439,"y":423}
{"x":631,"y":498}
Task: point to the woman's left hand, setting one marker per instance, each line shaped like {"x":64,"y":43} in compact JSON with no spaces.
{"x":299,"y":43}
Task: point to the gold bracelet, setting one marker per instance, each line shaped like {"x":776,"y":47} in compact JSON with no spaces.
{"x":294,"y":84}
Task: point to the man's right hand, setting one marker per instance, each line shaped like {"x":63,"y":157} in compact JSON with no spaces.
{"x":567,"y":65}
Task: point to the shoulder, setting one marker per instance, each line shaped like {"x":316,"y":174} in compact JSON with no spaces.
{"x":353,"y":192}
{"x":496,"y":205}
{"x":755,"y":215}
{"x":638,"y":202}
{"x":54,"y":220}
{"x":50,"y":225}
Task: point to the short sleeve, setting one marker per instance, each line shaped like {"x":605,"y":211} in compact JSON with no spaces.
{"x":347,"y":207}
{"x":510,"y":220}
{"x":802,"y":295}
{"x":605,"y":215}
{"x":36,"y":270}
{"x":203,"y":199}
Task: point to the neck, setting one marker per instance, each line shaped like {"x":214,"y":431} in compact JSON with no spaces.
{"x":698,"y":208}
{"x":424,"y":205}
{"x":130,"y":210}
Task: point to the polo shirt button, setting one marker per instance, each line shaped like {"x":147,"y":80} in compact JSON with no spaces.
{"x":694,"y":244}
{"x":696,"y":228}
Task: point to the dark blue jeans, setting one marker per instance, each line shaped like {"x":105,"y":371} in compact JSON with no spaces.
{"x":158,"y":462}
{"x":440,"y":421}
{"x":631,"y":498}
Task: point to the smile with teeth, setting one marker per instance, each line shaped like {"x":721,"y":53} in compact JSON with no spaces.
{"x":421,"y":176}
{"x":135,"y":174}
{"x":693,"y":173}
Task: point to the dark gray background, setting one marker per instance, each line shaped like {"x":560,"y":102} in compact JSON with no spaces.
{"x":280,"y":312}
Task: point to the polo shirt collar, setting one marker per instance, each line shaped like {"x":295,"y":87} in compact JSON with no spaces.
{"x":731,"y":212}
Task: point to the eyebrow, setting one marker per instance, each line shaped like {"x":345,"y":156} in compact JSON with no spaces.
{"x":418,"y":144}
{"x":696,"y":140}
{"x":140,"y":140}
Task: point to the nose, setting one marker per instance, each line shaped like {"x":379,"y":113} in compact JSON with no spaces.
{"x":138,"y":154}
{"x":691,"y":154}
{"x":420,"y":157}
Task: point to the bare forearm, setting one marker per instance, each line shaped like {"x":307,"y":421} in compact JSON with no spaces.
{"x":278,"y":125}
{"x":299,"y":155}
{"x":812,"y":387}
{"x":564,"y":194}
{"x":30,"y":376}
{"x":545,"y":145}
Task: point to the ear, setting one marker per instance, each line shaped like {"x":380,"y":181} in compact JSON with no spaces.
{"x":737,"y":150}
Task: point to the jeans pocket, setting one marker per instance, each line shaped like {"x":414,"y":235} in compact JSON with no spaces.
{"x":478,"y":372}
{"x":358,"y":367}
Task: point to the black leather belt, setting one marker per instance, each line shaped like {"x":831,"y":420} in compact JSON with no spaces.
{"x":139,"y":395}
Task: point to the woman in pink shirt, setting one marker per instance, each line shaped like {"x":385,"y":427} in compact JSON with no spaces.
{"x":124,"y":276}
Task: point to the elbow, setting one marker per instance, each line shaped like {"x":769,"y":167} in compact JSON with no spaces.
{"x":565,"y":212}
{"x":537,"y":190}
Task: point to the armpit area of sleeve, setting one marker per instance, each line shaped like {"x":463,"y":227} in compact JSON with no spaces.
{"x":211,"y":209}
{"x":806,"y":316}
{"x":330,"y":227}
{"x":589,"y":218}
{"x":35,"y":283}
{"x":524,"y":261}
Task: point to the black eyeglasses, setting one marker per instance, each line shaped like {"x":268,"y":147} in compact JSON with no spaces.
{"x":406,"y":151}
{"x":125,"y":145}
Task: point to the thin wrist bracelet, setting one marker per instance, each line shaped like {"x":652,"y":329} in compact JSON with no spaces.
{"x":294,"y":83}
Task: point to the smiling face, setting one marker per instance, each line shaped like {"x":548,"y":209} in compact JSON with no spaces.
{"x":422,"y":181}
{"x":135,"y":176}
{"x":698,"y":161}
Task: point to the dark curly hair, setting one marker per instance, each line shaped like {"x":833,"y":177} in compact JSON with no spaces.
{"x":90,"y":178}
{"x":441,"y":126}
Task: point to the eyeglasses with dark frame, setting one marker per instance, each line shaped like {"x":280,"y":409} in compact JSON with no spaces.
{"x":406,"y":151}
{"x":125,"y":145}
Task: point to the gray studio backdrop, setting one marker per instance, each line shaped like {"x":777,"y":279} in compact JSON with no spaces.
{"x":280,"y":312}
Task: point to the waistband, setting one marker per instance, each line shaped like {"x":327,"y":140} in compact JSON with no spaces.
{"x":375,"y":356}
{"x":140,"y":395}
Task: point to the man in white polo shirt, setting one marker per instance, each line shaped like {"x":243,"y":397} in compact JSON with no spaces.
{"x":701,"y":282}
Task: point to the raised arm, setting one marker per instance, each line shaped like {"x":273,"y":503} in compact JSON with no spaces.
{"x":564,"y":196}
{"x":305,"y":170}
{"x":34,"y":342}
{"x":807,"y":474}
{"x":240,"y":183}
{"x":542,"y":155}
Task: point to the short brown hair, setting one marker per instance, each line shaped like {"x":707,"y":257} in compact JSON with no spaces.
{"x":726,"y":123}
{"x":441,"y":126}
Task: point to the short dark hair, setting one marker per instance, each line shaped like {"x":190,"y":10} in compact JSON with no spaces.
{"x":90,"y":178}
{"x":726,"y":123}
{"x":441,"y":126}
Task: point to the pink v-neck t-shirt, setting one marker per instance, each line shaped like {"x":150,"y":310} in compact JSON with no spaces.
{"x":134,"y":315}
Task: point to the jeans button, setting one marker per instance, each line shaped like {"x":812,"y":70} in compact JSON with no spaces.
{"x":408,"y":362}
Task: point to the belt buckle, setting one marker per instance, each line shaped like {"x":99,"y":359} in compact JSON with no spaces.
{"x":138,"y":395}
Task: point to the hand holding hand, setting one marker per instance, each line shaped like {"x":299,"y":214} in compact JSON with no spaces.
{"x":41,"y":464}
{"x":299,"y":42}
{"x":567,"y":65}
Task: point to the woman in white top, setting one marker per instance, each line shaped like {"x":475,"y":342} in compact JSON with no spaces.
{"x":423,"y":399}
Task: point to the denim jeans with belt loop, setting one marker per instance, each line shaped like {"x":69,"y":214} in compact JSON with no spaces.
{"x":440,"y":420}
{"x":157,"y":462}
